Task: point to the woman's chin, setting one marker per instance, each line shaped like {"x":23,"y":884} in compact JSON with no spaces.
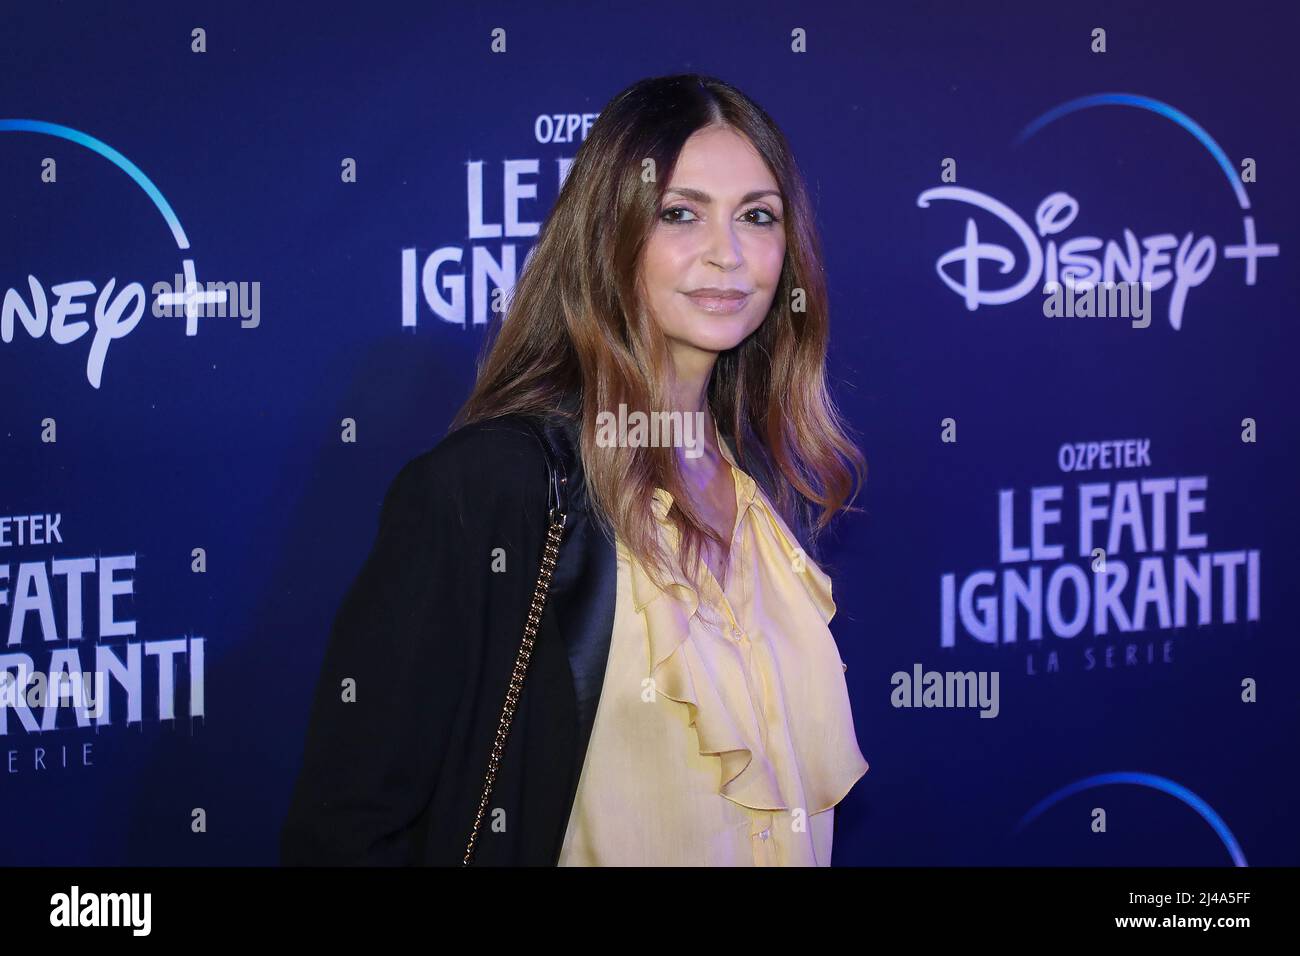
{"x":718,"y":334}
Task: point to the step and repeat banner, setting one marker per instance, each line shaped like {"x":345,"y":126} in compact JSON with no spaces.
{"x":249,"y":252}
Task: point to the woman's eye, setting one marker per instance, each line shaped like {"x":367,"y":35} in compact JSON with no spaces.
{"x":677,"y":214}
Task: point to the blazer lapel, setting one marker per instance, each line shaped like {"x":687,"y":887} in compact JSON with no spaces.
{"x":584,"y":590}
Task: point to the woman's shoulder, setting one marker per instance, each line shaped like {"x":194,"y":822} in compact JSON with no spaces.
{"x":495,"y":461}
{"x":494,"y":440}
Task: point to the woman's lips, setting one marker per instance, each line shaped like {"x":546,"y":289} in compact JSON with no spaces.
{"x":718,"y":305}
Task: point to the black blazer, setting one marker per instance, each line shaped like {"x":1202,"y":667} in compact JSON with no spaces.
{"x":428,"y":633}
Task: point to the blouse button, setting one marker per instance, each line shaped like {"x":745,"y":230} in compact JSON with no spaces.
{"x":764,"y":833}
{"x":737,"y":633}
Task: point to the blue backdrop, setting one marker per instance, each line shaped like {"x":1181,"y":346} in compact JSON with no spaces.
{"x":207,"y":513}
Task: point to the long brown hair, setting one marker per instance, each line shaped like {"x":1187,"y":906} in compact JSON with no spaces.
{"x":576,"y":333}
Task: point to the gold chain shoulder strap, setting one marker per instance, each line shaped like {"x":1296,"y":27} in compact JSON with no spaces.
{"x":550,"y":556}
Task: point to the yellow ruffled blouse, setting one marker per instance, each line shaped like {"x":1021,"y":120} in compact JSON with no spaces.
{"x":723,"y":735}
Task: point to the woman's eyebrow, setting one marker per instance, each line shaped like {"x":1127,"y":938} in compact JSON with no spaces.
{"x":699,"y":195}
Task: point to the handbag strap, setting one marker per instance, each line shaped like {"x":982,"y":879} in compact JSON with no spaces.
{"x":557,"y":504}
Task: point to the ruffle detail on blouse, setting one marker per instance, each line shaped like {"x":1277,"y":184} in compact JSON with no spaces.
{"x":680,"y":674}
{"x":815,"y":581}
{"x":711,"y":681}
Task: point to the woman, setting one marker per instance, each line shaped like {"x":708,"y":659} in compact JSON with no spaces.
{"x":685,"y":701}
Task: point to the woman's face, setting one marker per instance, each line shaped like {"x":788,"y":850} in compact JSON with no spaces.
{"x":713,"y":261}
